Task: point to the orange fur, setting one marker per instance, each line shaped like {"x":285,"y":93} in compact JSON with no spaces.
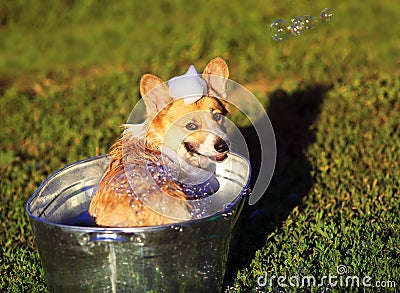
{"x":114,"y":203}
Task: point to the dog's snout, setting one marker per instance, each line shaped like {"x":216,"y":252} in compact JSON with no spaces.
{"x":221,"y":146}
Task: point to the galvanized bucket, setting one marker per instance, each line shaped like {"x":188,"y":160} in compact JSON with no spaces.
{"x":190,"y":256}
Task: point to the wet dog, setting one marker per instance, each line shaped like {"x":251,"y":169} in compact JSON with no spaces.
{"x":187,"y":131}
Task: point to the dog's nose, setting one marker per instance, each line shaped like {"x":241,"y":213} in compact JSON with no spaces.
{"x":221,"y":146}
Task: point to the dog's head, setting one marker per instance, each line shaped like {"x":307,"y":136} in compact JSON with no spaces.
{"x":194,"y":131}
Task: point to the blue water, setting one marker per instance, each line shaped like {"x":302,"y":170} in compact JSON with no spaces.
{"x":82,"y":220}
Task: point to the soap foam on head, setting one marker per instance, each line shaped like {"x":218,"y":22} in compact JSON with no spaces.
{"x":189,"y":86}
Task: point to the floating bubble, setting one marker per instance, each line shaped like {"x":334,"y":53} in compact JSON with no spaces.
{"x":327,"y":14}
{"x":309,"y":22}
{"x":297,"y":26}
{"x":280,"y":30}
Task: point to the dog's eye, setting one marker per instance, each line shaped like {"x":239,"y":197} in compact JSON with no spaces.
{"x":217,"y":116}
{"x":191,"y":126}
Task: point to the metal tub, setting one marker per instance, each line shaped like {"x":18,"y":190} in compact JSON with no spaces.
{"x":190,"y":256}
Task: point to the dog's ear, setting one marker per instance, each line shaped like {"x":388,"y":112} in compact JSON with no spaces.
{"x":154,"y":92}
{"x":216,"y":75}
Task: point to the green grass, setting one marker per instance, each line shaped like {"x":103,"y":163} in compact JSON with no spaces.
{"x":349,"y":213}
{"x":69,"y":73}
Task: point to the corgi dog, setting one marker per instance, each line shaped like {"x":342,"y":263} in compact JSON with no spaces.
{"x":190,"y":131}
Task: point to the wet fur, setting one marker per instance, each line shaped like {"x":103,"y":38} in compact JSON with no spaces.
{"x":114,"y":203}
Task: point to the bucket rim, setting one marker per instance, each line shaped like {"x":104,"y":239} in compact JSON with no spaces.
{"x":243,"y":195}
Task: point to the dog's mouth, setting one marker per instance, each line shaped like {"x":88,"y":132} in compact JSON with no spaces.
{"x":192,"y":150}
{"x":221,"y":157}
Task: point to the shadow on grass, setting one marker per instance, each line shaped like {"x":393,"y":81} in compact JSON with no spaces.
{"x":291,"y":117}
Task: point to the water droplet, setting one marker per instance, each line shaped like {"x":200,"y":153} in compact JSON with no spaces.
{"x":139,"y":239}
{"x":327,"y":14}
{"x":177,"y":228}
{"x":246,"y":193}
{"x":227,"y":215}
{"x":297,"y":26}
{"x":280,"y":30}
{"x":83,"y":239}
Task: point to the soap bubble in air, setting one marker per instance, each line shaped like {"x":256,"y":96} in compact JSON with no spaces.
{"x":297,"y":26}
{"x":327,"y":14}
{"x":280,"y":30}
{"x":309,"y":22}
